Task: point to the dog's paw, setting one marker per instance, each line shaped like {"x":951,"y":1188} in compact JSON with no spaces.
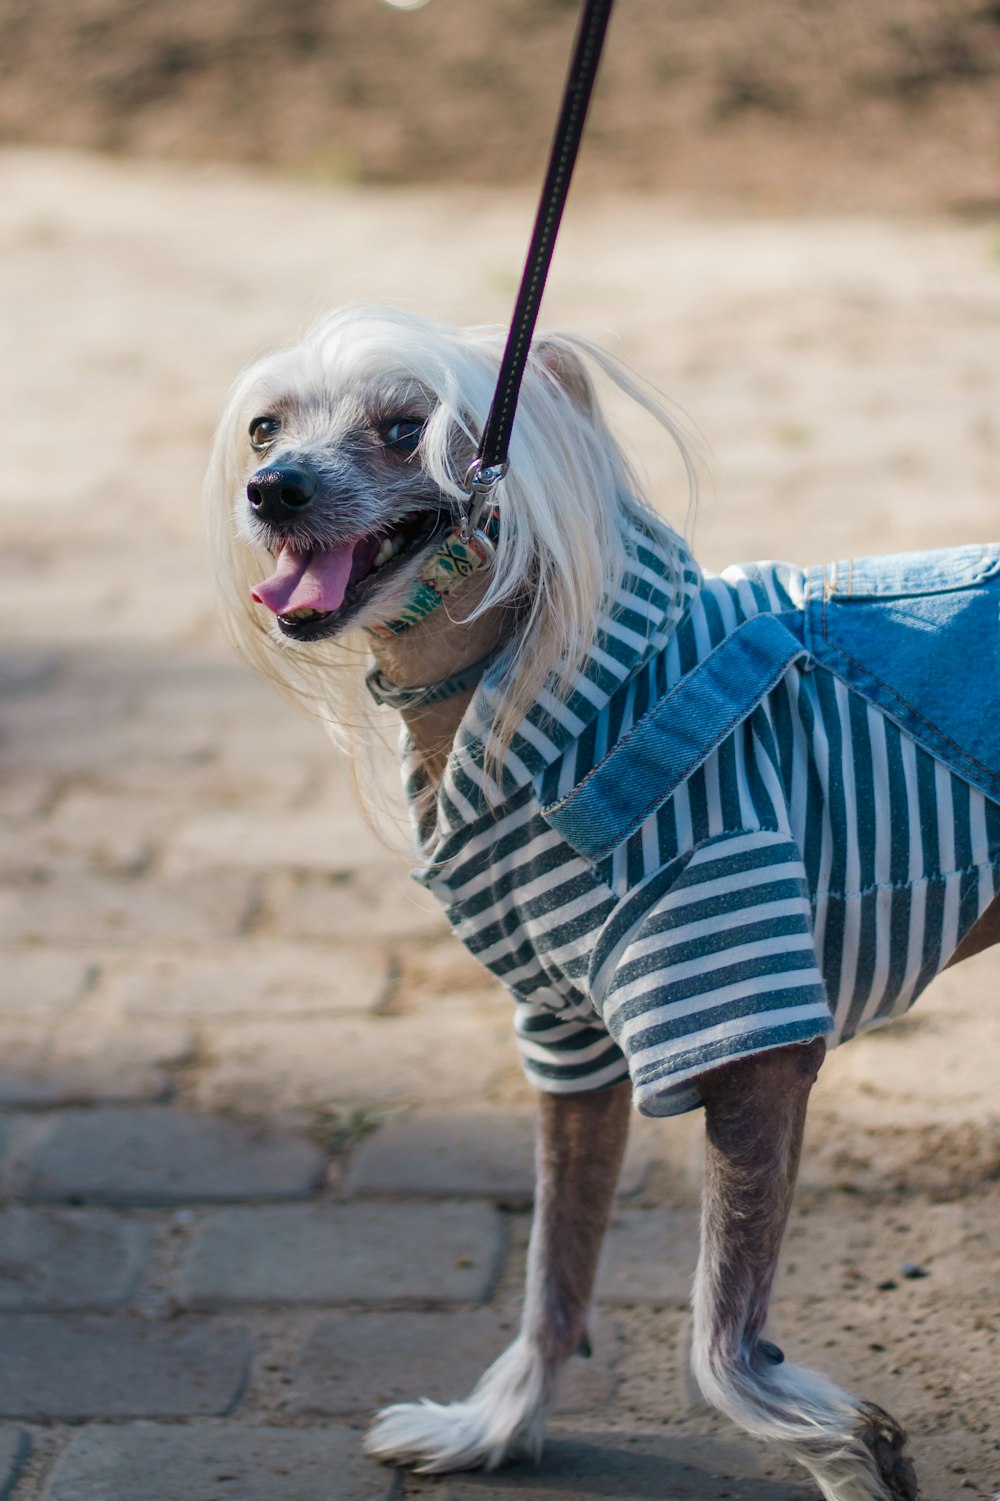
{"x":433,"y":1438}
{"x":503,"y":1419}
{"x":886,"y":1442}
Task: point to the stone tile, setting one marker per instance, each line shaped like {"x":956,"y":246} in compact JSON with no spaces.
{"x":357,"y":1362}
{"x":258,"y":978}
{"x":376,"y":1060}
{"x":15,"y":1447}
{"x":75,"y":1368}
{"x":41,"y":982}
{"x":144,"y":1462}
{"x":213,"y":684}
{"x":237,"y":707}
{"x":334,"y":842}
{"x":24,"y":673}
{"x":64,"y":730}
{"x":649,"y":1257}
{"x":626,"y":1467}
{"x":114,"y":836}
{"x":86,"y":1062}
{"x":344,"y":1253}
{"x":119,"y":843}
{"x":846,"y":1253}
{"x":176,"y":785}
{"x":69,"y":1259}
{"x":23,"y":857}
{"x":952,"y":1037}
{"x":428,"y":971}
{"x":485,"y":1151}
{"x":25,"y":791}
{"x":107,"y":910}
{"x":379,"y":904}
{"x":159,"y":1156}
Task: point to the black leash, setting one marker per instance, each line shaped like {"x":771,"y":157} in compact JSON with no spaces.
{"x":490,"y":466}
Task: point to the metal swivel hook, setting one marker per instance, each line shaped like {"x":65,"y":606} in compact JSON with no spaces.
{"x":481,"y":480}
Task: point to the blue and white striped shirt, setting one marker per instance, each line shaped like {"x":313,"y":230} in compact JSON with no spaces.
{"x":808,"y":879}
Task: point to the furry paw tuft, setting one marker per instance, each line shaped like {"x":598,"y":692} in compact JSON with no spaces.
{"x":434,"y":1439}
{"x":503,"y":1419}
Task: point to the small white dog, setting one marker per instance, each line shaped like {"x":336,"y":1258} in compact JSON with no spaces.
{"x":702,"y":828}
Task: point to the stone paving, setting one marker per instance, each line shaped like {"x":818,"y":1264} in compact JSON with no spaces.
{"x":265,"y":1151}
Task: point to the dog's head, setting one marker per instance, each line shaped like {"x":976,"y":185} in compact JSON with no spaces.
{"x":344,"y":456}
{"x":340,"y":464}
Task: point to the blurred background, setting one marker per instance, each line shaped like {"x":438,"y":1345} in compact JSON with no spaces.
{"x":783,"y":103}
{"x":219,"y":993}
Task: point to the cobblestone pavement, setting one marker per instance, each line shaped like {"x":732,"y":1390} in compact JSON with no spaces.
{"x":252,"y":1187}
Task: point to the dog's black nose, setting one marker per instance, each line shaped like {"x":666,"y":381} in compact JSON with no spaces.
{"x":275,"y":491}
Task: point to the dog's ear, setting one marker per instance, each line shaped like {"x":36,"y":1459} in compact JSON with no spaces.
{"x":569,"y":370}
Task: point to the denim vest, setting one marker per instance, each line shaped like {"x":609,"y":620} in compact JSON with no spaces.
{"x":917,"y":635}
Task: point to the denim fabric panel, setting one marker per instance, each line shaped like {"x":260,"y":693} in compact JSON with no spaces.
{"x":677,"y":735}
{"x":938,"y":571}
{"x":919,"y":636}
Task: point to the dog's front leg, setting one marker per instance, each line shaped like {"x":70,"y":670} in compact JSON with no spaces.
{"x":754,"y":1117}
{"x":581,"y":1139}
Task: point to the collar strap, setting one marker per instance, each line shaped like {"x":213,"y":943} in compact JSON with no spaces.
{"x":384,"y":692}
{"x":455,"y":560}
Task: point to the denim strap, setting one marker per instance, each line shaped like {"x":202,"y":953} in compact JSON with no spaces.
{"x":677,"y":735}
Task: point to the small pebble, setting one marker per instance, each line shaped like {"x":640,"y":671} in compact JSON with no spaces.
{"x":913,"y":1269}
{"x":887,"y":1286}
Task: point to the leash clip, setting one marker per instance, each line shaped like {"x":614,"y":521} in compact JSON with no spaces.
{"x":482,"y":479}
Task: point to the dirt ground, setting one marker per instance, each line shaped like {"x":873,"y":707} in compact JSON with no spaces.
{"x":844,"y":374}
{"x":783,"y":103}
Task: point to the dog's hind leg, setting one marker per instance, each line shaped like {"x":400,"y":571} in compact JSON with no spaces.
{"x":581,"y":1139}
{"x":754,"y":1116}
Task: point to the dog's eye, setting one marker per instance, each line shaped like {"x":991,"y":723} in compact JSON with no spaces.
{"x":263,"y":431}
{"x":404,"y":434}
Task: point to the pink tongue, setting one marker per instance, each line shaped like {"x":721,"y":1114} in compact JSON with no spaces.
{"x":307,"y":580}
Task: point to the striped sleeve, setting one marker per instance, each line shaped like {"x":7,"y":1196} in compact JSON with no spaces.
{"x":566,"y":1053}
{"x":717,"y":965}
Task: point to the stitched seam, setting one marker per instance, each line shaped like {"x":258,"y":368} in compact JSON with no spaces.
{"x":985,"y":569}
{"x":698,"y":760}
{"x":943,"y":875}
{"x":736,"y":831}
{"x":626,"y":738}
{"x":679,"y":1062}
{"x":920,"y":718}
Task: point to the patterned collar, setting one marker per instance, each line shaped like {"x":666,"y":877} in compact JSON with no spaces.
{"x":455,"y":560}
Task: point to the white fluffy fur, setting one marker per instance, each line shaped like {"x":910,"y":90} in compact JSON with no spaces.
{"x":561,"y":504}
{"x":808,"y":1417}
{"x":503,"y":1418}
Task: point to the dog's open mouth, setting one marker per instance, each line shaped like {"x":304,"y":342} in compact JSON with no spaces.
{"x":314,"y":591}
